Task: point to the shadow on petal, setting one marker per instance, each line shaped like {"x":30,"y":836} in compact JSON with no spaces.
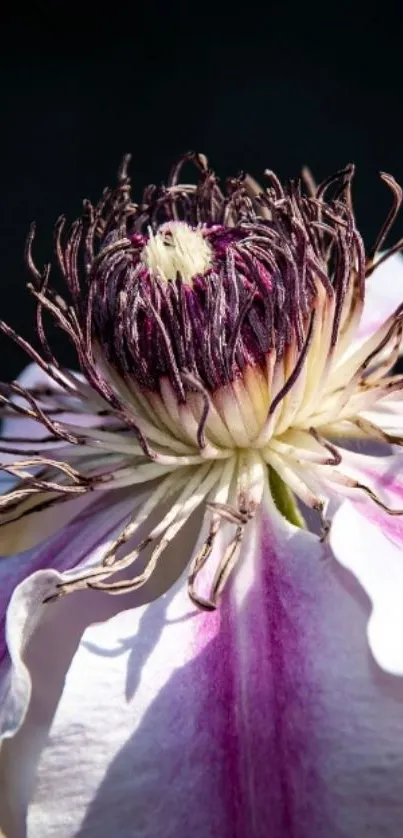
{"x":49,"y":656}
{"x":301,"y":737}
{"x":265,"y":718}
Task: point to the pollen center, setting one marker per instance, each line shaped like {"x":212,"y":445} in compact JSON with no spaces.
{"x":177,"y":248}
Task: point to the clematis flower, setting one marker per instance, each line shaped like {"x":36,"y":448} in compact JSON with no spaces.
{"x":243,"y":678}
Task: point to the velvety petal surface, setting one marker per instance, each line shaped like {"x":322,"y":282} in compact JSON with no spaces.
{"x":268,"y":717}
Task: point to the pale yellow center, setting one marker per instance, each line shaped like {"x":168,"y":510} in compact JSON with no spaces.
{"x":177,"y":249}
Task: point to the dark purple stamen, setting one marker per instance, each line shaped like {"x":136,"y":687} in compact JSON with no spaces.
{"x":270,"y":251}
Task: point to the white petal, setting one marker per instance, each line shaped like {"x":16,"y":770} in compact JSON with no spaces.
{"x":387,"y":415}
{"x":384,"y":477}
{"x":31,"y":376}
{"x":267,"y":718}
{"x":383,"y":294}
{"x":34,"y":377}
{"x":27,"y":579}
{"x":377,"y":563}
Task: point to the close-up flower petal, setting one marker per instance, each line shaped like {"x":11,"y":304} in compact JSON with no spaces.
{"x":242,"y":722}
{"x":383,"y":294}
{"x":377,"y":564}
{"x":201,"y":523}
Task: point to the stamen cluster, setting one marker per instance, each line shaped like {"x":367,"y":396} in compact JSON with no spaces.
{"x":213,"y":329}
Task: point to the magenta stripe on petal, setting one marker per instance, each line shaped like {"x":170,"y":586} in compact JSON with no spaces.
{"x":390,"y":525}
{"x":228,"y":746}
{"x":261,"y":696}
{"x":267,"y":719}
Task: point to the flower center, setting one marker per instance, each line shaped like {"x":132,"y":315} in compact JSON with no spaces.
{"x":216,"y":331}
{"x":176,"y":249}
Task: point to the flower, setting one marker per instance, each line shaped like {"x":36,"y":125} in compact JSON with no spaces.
{"x":231,"y":344}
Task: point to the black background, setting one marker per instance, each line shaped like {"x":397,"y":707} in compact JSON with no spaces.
{"x":252,"y":87}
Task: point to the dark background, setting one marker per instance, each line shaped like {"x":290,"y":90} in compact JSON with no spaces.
{"x":277,"y":86}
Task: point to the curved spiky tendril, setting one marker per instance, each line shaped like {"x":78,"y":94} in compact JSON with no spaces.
{"x":189,"y":498}
{"x":295,"y":373}
{"x":397,"y":194}
{"x":35,"y":411}
{"x":196,"y":385}
{"x":391,"y":251}
{"x":243,"y":318}
{"x":335,"y":455}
